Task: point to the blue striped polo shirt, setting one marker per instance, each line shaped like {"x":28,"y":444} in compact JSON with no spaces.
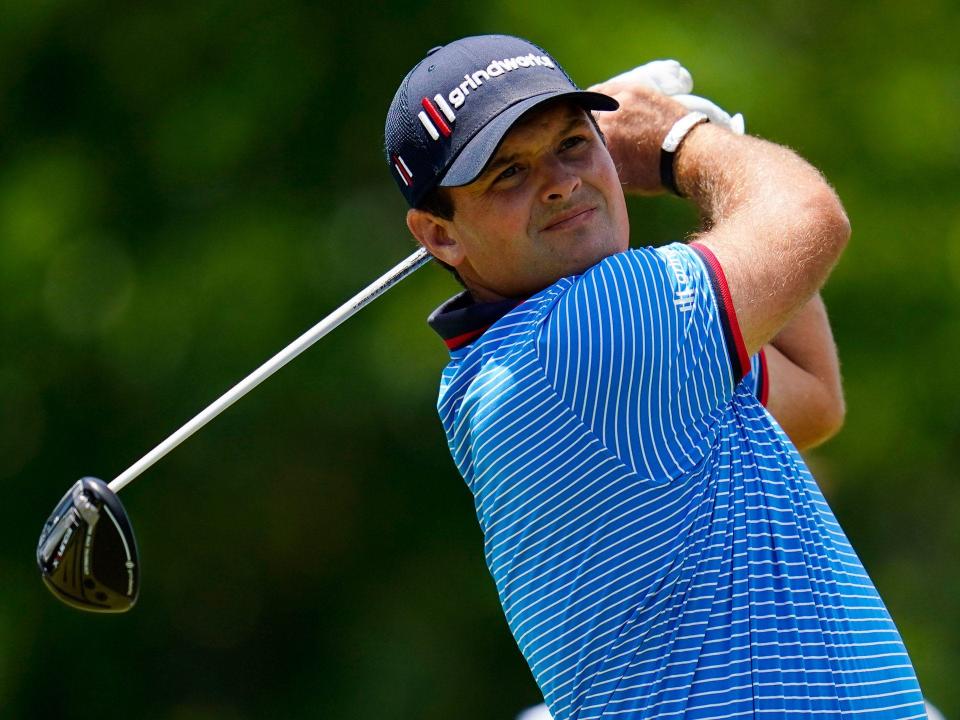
{"x":658,"y":545}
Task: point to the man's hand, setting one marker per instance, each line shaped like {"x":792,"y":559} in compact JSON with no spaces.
{"x":671,"y":78}
{"x":636,"y":125}
{"x":635,"y":132}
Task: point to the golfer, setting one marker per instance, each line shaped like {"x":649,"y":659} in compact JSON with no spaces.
{"x":658,"y":545}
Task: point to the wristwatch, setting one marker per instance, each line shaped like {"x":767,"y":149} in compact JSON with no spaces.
{"x":671,"y":143}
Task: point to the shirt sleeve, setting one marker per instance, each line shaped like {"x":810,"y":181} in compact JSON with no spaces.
{"x":645,"y":348}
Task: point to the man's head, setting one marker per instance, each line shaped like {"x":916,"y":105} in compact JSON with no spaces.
{"x":506,"y":173}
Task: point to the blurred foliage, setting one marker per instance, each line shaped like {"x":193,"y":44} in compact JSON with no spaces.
{"x":185,"y":187}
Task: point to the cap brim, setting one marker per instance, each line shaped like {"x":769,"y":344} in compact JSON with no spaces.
{"x":475,"y":155}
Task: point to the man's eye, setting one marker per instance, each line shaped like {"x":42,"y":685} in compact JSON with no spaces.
{"x":508,"y":173}
{"x":571,"y":142}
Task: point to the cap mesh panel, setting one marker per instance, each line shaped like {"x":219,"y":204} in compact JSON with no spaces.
{"x":400,"y":131}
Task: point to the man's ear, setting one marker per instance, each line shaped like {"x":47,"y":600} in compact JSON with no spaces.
{"x":436,"y":235}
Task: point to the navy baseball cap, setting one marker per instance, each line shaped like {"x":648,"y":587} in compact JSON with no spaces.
{"x":453,"y":109}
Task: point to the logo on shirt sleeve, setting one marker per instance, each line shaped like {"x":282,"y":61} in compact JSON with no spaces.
{"x":684,"y":294}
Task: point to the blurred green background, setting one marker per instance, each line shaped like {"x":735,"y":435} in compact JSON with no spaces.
{"x":185,"y":187}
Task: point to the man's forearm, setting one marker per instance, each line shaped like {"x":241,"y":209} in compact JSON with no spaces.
{"x":774,"y":223}
{"x":806,"y":394}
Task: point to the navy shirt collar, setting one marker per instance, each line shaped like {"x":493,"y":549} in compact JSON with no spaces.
{"x":460,"y":320}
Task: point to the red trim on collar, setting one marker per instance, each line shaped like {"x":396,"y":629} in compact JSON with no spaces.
{"x":455,"y":343}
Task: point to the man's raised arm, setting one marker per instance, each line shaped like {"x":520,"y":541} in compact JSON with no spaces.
{"x":773,"y":222}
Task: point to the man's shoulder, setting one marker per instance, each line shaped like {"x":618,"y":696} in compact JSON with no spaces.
{"x":635,"y":273}
{"x":639,"y":274}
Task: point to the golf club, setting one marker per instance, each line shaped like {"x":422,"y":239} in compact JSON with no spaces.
{"x":87,"y":553}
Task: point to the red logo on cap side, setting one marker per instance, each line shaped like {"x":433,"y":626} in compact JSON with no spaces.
{"x":430,"y":117}
{"x":433,"y":121}
{"x":402,"y":170}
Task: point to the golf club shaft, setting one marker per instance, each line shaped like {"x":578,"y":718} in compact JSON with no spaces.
{"x":371,"y":292}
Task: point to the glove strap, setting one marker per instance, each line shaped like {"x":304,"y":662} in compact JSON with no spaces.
{"x":671,"y":143}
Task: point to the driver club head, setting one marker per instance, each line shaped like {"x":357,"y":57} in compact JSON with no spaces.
{"x":87,"y":553}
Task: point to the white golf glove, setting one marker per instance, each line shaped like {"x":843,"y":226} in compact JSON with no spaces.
{"x":671,"y":78}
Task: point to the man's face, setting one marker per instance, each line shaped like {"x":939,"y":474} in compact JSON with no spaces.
{"x":549,"y":204}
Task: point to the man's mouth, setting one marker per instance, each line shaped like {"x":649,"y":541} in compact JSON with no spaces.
{"x":570,"y":219}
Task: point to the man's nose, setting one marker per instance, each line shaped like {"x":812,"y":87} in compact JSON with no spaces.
{"x":559,"y":181}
